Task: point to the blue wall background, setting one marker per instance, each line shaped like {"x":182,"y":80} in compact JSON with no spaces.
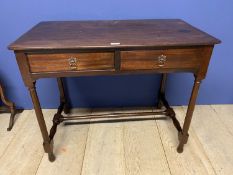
{"x":212,"y":16}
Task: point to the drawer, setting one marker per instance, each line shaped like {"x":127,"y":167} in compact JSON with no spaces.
{"x":70,"y":62}
{"x":161,"y":59}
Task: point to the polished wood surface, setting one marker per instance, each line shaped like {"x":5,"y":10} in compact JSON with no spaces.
{"x":150,"y":59}
{"x":62,"y":62}
{"x":112,"y":34}
{"x":86,"y":48}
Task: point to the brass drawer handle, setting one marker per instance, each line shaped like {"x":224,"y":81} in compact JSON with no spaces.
{"x":73,"y":63}
{"x":161,"y":60}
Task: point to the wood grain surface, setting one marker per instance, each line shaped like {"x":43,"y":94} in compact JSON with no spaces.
{"x":61,"y":62}
{"x":149,"y":59}
{"x":112,"y":34}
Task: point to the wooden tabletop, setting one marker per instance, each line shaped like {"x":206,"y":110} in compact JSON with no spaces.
{"x":112,"y":34}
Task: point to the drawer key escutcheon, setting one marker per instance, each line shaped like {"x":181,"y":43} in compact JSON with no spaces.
{"x":73,"y":63}
{"x":161,"y":60}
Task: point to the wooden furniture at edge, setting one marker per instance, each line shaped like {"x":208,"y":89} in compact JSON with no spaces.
{"x":87,"y":48}
{"x":8,"y":108}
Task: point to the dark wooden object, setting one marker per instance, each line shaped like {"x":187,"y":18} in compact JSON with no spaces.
{"x":85,"y":48}
{"x":10,"y":108}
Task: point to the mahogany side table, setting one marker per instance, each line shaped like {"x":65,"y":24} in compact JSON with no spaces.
{"x":90,"y":48}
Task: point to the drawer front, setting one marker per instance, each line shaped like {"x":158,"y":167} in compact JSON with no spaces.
{"x":70,"y":62}
{"x":161,"y":59}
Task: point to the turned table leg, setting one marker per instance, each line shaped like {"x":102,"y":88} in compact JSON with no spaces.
{"x":64,"y":105}
{"x":183,"y":136}
{"x":48,"y":144}
{"x":162,"y":101}
{"x":161,"y":90}
{"x":11,"y":107}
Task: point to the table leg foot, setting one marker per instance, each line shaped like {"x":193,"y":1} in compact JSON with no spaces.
{"x":180,"y":148}
{"x":48,"y":148}
{"x":183,"y":138}
{"x":11,"y":123}
{"x":51,"y":157}
{"x":12,"y":118}
{"x":67,"y":108}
